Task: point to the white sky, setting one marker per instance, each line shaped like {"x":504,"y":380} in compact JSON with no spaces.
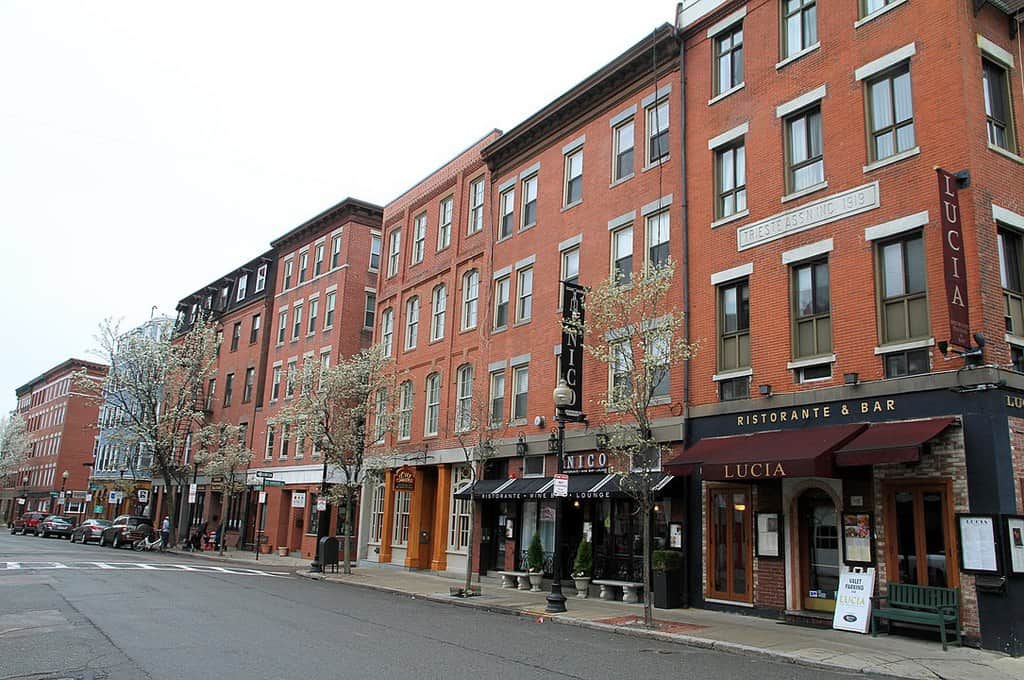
{"x":146,"y":149}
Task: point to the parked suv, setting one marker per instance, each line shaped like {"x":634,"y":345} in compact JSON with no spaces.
{"x":56,"y":525}
{"x":89,"y":530}
{"x":125,"y":530}
{"x":28,"y":523}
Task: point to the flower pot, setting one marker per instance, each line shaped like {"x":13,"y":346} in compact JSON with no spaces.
{"x":582,"y":586}
{"x":535,"y":580}
{"x":265,"y":549}
{"x":282,"y":551}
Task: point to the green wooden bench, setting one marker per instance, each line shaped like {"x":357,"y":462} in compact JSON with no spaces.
{"x":923,"y":605}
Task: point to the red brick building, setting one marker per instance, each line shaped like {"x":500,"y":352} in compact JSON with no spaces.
{"x":61,"y":426}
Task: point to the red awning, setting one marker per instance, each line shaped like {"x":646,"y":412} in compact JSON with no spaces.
{"x":891,"y":442}
{"x":804,"y":452}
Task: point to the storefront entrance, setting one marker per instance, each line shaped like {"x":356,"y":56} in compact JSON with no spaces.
{"x":819,"y":550}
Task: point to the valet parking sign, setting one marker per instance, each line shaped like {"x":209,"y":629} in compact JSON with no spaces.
{"x":853,"y":601}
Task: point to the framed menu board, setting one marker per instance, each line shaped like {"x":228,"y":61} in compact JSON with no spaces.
{"x":858,"y":538}
{"x":769,"y":535}
{"x":979,"y":547}
{"x":1014,"y":525}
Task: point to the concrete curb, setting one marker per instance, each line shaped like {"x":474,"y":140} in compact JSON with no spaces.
{"x":676,"y":638}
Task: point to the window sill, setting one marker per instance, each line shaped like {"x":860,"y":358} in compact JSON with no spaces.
{"x":895,"y":158}
{"x":904,"y":346}
{"x":331,"y":327}
{"x":467,"y":329}
{"x":656,"y":164}
{"x":804,"y":192}
{"x":877,"y":13}
{"x":518,"y":422}
{"x":433,"y":341}
{"x":499,"y":329}
{"x":521,"y":322}
{"x":660,"y":401}
{"x":731,"y":218}
{"x":622,"y":180}
{"x":799,"y":55}
{"x":570,"y":206}
{"x":1004,"y":152}
{"x":526,"y":227}
{"x":812,"y":361}
{"x":729,"y":375}
{"x":732,"y":90}
{"x":502,"y":239}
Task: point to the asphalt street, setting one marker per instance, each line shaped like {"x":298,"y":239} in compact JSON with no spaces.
{"x":73,"y":611}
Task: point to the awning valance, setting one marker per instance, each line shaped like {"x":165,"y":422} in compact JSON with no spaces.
{"x":580,"y":486}
{"x":899,"y":442}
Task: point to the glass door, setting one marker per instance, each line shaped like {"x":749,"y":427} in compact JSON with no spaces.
{"x":922,"y":552}
{"x":819,"y":550}
{"x":729,"y":548}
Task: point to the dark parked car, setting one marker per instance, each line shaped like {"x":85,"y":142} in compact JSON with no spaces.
{"x":56,"y":525}
{"x":125,"y":530}
{"x":28,"y":523}
{"x":89,"y":530}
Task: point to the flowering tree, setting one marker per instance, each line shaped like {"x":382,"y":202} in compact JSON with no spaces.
{"x":473,"y":432}
{"x":223,"y":454}
{"x":13,"y":444}
{"x":154,"y":391}
{"x":331,"y":408}
{"x":636,"y":332}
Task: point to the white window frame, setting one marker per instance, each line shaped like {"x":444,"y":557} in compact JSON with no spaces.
{"x":296,"y":321}
{"x":314,"y":312}
{"x":618,"y":256}
{"x":476,"y":206}
{"x":405,"y":406}
{"x":419,"y":238}
{"x":507,"y":210}
{"x":659,"y":222}
{"x":530,"y":188}
{"x":464,"y":398}
{"x":335,"y":251}
{"x":444,"y":222}
{"x":375,"y":244}
{"x":330,"y":305}
{"x":459,"y":529}
{"x":524,"y":294}
{"x":412,"y":322}
{"x":243,"y":284}
{"x":261,"y":278}
{"x":502,"y":298}
{"x":387,"y":329}
{"x":369,"y":308}
{"x":394,"y":251}
{"x":516,"y":372}
{"x":569,"y":177}
{"x":654,"y":126}
{"x":400,"y":528}
{"x":376,"y":513}
{"x":432,"y":413}
{"x":319,"y":252}
{"x":618,"y":149}
{"x":470,"y":299}
{"x":438,"y":308}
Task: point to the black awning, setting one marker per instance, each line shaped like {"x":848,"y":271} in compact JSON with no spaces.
{"x":580,"y":486}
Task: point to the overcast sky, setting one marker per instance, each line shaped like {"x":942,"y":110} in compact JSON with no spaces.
{"x":146,"y":149}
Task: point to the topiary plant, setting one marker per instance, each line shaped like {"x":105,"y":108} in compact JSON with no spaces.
{"x":584,"y":560}
{"x":535,"y":555}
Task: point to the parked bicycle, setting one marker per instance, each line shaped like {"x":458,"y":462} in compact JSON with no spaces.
{"x":148,"y":543}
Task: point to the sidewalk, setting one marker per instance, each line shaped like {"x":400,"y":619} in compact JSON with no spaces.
{"x":821,"y":648}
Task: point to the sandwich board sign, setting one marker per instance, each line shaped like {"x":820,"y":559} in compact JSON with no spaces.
{"x":853,"y":600}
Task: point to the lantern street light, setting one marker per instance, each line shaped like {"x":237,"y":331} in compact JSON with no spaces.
{"x":563,"y":397}
{"x":63,"y":482}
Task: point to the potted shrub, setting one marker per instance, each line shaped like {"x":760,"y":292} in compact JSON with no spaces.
{"x":667,"y":581}
{"x":582,"y":567}
{"x":535,"y":563}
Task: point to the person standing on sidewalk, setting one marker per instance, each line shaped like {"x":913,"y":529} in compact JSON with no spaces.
{"x":165,"y":533}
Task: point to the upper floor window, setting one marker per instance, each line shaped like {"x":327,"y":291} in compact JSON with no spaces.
{"x":229,"y":388}
{"x":524,"y":294}
{"x":497,"y":410}
{"x":573,"y":177}
{"x":330,"y":302}
{"x":254,"y":329}
{"x":904,"y":304}
{"x":243,"y":283}
{"x":520,"y":389}
{"x":296,"y":322}
{"x":657,"y":131}
{"x":622,"y":255}
{"x":236,"y":335}
{"x":444,"y":223}
{"x":470,"y":296}
{"x":730,"y":179}
{"x":250,"y":380}
{"x":507,"y":206}
{"x":502,"y":289}
{"x":476,"y":206}
{"x":405,"y":410}
{"x":729,"y":59}
{"x":275,"y":383}
{"x":734,"y":325}
{"x":314,"y":312}
{"x":336,"y":251}
{"x":438,"y":306}
{"x":871,"y":6}
{"x":380,"y":415}
{"x":891,"y":114}
{"x":998,"y":110}
{"x":799,"y":25}
{"x":430,"y":424}
{"x":657,"y":238}
{"x":261,"y":278}
{"x":812,"y":321}
{"x":464,"y":398}
{"x":387,"y":329}
{"x":1011,"y":276}
{"x":369,"y":309}
{"x":412,"y":322}
{"x":622,"y":162}
{"x":529,"y":201}
{"x":374,"y":252}
{"x":394,"y":248}
{"x":282,"y":325}
{"x":303,"y":265}
{"x":805,"y":163}
{"x":419,"y":237}
{"x":318,"y":259}
{"x":288,"y":266}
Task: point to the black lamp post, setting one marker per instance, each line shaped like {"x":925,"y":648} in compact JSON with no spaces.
{"x":63,"y":482}
{"x":24,"y":493}
{"x":563,"y":396}
{"x":322,"y":524}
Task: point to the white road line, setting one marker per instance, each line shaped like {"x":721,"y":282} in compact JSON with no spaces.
{"x":102,"y":565}
{"x":140,"y":566}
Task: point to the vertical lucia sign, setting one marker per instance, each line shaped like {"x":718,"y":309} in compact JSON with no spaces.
{"x":571,"y":364}
{"x":954,"y":266}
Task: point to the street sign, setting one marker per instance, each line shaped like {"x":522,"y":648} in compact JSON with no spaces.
{"x":54,"y":494}
{"x":321,"y":504}
{"x":192,"y":491}
{"x":273,"y":482}
{"x":264,"y":475}
{"x":143,"y":495}
{"x":561,"y":486}
{"x":299,"y":499}
{"x":263,"y":497}
{"x":114,"y":497}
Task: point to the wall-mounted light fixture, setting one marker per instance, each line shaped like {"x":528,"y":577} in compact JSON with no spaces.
{"x":521,"y":449}
{"x":851,"y":379}
{"x":764,"y":390}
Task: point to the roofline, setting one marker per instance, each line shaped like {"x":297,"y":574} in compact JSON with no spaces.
{"x":266,"y":257}
{"x":61,"y":367}
{"x":347,"y":207}
{"x":439,"y":168}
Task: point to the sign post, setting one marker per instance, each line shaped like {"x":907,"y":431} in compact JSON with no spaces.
{"x":561,"y":488}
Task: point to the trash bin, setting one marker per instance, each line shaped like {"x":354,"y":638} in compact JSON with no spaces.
{"x":328,"y":553}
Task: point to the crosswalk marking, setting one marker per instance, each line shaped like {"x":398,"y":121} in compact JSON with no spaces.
{"x":139,"y":566}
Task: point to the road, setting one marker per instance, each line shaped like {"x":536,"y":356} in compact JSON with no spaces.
{"x":73,"y":611}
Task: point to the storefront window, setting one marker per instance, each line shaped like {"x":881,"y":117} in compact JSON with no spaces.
{"x":921,"y":552}
{"x":400,"y":536}
{"x":729,"y":544}
{"x":458,"y":522}
{"x":377,"y":514}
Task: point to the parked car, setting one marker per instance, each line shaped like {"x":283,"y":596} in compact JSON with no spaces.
{"x":56,"y":525}
{"x":89,"y":530}
{"x":28,"y":523}
{"x":125,"y":530}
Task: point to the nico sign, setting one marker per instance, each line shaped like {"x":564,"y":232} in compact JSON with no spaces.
{"x":953,"y":265}
{"x":570,"y":368}
{"x":405,"y":479}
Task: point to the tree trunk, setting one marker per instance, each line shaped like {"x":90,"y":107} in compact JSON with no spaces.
{"x":472,"y":537}
{"x":170,"y":511}
{"x":646,"y":512}
{"x":347,"y":569}
{"x":224,"y":498}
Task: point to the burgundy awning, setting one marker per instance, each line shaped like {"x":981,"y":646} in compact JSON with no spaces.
{"x":891,"y":442}
{"x":804,"y":452}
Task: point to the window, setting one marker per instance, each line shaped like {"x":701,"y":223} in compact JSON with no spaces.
{"x":799,"y":26}
{"x":998,"y":110}
{"x":375,"y":252}
{"x":734,"y":326}
{"x":657,"y":238}
{"x":380,"y":415}
{"x":314,"y":312}
{"x":871,"y":6}
{"x":318,"y":259}
{"x":268,"y":452}
{"x":400,"y":534}
{"x":1017,"y":360}
{"x":250,"y":379}
{"x":470,"y":295}
{"x":229,"y":388}
{"x":433,"y":404}
{"x":254,"y":329}
{"x":288,"y":265}
{"x":524,"y":294}
{"x":336,"y":251}
{"x":520,"y":388}
{"x":211,"y":391}
{"x":622,"y":255}
{"x":476,"y":206}
{"x":275,"y":384}
{"x":658,"y":350}
{"x":890,"y":114}
{"x":731,"y":179}
{"x":1011,"y":276}
{"x":657,"y":131}
{"x":376,"y":514}
{"x":570,"y":270}
{"x":458,"y":521}
{"x":419,"y":237}
{"x":405,"y":410}
{"x":573,"y":177}
{"x":497,"y":410}
{"x":289,"y":381}
{"x":438,"y":304}
{"x":818,"y":372}
{"x":444,"y":223}
{"x":529,"y":201}
{"x":501,"y":297}
{"x":369,"y":309}
{"x":261,"y":278}
{"x":622,"y":164}
{"x":919,"y":549}
{"x":412,"y":322}
{"x":394,"y":247}
{"x":303,"y":265}
{"x":507,"y":203}
{"x":908,"y":362}
{"x":282,"y":326}
{"x":296,"y":322}
{"x":903,"y":299}
{"x":236,"y":335}
{"x":729,"y":59}
{"x":805,"y":166}
{"x":330,"y":302}
{"x":325,"y":363}
{"x":533,"y":466}
{"x":812,"y":321}
{"x":729,"y":549}
{"x":464,"y":398}
{"x":621,"y":373}
{"x":386,"y":330}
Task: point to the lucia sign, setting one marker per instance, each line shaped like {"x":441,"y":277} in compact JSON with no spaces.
{"x":953,"y":264}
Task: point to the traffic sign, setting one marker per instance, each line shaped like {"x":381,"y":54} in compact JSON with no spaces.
{"x":264,"y":475}
{"x":273,"y":482}
{"x":561,"y":486}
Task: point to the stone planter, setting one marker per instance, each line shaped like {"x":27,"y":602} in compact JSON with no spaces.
{"x":282,"y":551}
{"x":582,"y":586}
{"x":536,"y":578}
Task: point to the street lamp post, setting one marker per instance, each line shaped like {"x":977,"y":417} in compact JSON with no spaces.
{"x":24,"y":494}
{"x":563,"y":396}
{"x":63,"y":483}
{"x":322,"y":524}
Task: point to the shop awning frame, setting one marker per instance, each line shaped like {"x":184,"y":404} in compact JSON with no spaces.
{"x":893,"y":442}
{"x":605,"y":485}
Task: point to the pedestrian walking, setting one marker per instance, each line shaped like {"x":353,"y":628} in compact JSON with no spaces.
{"x":165,"y":533}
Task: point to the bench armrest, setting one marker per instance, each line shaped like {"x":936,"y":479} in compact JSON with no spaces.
{"x":949,"y":610}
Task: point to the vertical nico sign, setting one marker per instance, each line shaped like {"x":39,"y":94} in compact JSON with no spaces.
{"x":953,"y":264}
{"x":571,"y":366}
